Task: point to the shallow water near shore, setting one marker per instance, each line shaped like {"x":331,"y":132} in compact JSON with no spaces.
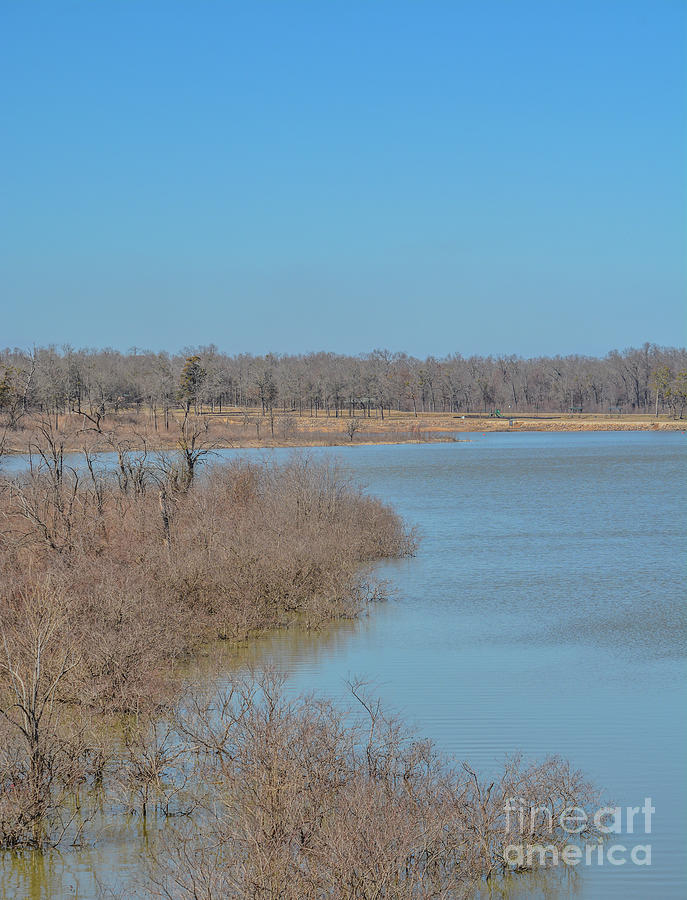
{"x":544,"y":612}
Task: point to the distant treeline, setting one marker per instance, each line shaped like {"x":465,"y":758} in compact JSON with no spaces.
{"x":51,"y":379}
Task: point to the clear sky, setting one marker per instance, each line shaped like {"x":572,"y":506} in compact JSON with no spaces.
{"x":471,"y":176}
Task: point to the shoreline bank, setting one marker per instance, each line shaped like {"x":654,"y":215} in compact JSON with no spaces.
{"x":333,"y":436}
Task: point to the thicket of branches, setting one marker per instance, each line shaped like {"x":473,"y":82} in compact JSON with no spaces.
{"x":95,"y":382}
{"x":311,"y":801}
{"x":108,"y":581}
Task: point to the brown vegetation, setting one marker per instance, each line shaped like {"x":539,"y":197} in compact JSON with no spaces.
{"x":322,"y":398}
{"x":308,"y":801}
{"x":195,"y":436}
{"x":110,"y":580}
{"x":648,"y":379}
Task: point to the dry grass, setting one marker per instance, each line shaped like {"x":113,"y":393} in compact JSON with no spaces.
{"x":242,"y":428}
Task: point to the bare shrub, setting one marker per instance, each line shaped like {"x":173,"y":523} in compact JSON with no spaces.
{"x":150,"y":771}
{"x":305,"y":800}
{"x":151,"y":575}
{"x":352,"y":426}
{"x":288,"y":428}
{"x":43,"y":754}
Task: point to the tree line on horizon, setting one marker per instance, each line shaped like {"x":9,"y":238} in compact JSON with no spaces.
{"x":100,"y":381}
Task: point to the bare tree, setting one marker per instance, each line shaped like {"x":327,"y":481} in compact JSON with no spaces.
{"x":352,"y":428}
{"x":37,"y":668}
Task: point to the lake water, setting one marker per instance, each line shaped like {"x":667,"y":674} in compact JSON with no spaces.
{"x":543,"y":613}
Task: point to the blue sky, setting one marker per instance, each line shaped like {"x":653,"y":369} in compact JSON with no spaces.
{"x":431,"y":177}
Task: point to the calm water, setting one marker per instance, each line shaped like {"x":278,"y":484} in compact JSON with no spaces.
{"x":544,"y":612}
